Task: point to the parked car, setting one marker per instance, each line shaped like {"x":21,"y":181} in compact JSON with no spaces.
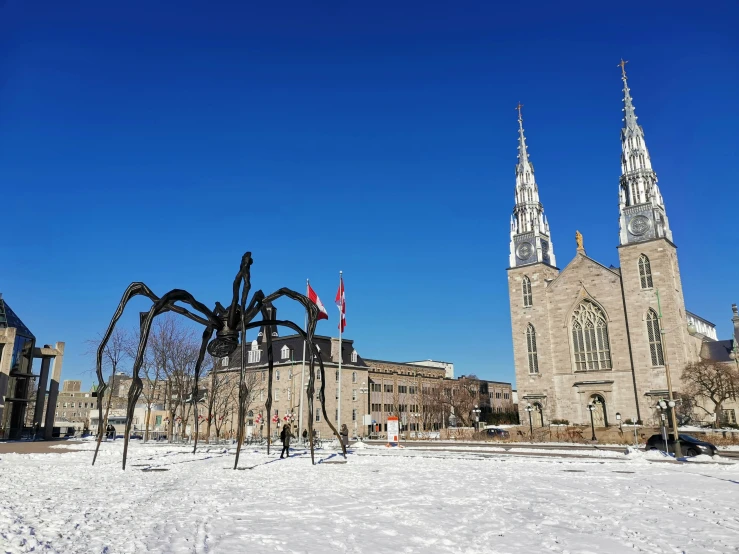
{"x":496,"y":433}
{"x":689,"y":446}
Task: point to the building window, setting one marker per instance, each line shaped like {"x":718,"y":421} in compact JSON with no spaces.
{"x":337,"y":374}
{"x":531,"y":349}
{"x":354,"y":356}
{"x":590,"y":338}
{"x":728,"y":416}
{"x":337,"y":414}
{"x":655,"y":339}
{"x":224,"y":361}
{"x":285,"y":352}
{"x":354,"y":415}
{"x":277,"y":375}
{"x":376,"y":387}
{"x":277,"y":394}
{"x":412,"y":389}
{"x":388,"y":388}
{"x":354,"y":376}
{"x":255,"y":355}
{"x":527,"y":298}
{"x":318,"y":416}
{"x":354,"y":394}
{"x":318,"y":375}
{"x":337,"y":393}
{"x":645,"y":272}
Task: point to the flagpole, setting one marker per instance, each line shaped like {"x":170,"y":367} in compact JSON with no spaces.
{"x":302,"y":371}
{"x":341,"y":326}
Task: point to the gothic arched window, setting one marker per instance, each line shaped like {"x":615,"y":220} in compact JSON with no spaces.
{"x":590,"y":337}
{"x":655,"y":339}
{"x":526,"y":286}
{"x":531,"y":348}
{"x":645,"y":272}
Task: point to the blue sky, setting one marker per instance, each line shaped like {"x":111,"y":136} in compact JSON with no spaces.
{"x":160,"y":143}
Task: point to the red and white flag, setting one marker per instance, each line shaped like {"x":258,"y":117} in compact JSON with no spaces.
{"x":341,"y":304}
{"x":313,"y":297}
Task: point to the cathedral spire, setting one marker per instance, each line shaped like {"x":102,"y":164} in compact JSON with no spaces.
{"x":524,"y":166}
{"x":641,"y":207}
{"x":530,"y":241}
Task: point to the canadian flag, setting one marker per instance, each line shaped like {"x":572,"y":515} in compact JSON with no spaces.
{"x":341,"y":304}
{"x":313,"y":297}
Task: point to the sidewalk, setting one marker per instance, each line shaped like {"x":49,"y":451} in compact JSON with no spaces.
{"x":36,"y":447}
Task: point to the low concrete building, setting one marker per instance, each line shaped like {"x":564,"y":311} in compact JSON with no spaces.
{"x":17,"y":353}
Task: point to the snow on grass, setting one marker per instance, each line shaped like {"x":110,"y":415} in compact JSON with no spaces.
{"x":380,"y":500}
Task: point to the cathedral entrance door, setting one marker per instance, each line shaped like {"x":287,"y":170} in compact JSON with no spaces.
{"x":600,"y":418}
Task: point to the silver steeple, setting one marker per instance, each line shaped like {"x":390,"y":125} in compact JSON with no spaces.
{"x":641,"y":207}
{"x":530,"y":239}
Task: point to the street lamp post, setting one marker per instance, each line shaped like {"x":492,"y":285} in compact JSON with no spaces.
{"x":476,"y":411}
{"x":591,"y":408}
{"x":365,"y":390}
{"x":663,"y":333}
{"x":530,"y":409}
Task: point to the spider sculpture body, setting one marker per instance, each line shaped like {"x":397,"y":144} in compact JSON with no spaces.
{"x":230,"y":326}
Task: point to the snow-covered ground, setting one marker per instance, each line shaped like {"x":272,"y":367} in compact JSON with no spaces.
{"x":380,"y":500}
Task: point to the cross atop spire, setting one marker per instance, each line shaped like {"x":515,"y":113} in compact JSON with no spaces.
{"x":622,"y":65}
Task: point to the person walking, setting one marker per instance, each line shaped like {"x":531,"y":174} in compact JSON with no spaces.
{"x":285,"y":436}
{"x":344,"y":435}
{"x":305,"y":436}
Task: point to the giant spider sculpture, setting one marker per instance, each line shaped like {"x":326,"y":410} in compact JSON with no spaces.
{"x":230,"y":326}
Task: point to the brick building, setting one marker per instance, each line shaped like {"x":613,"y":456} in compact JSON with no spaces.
{"x":374,"y":388}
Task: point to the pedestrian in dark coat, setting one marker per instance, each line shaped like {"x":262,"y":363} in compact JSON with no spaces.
{"x":285,"y":435}
{"x":305,"y":435}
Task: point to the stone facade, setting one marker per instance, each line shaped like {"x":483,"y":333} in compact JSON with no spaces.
{"x":604,"y":335}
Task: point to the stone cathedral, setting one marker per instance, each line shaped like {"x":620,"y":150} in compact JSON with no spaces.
{"x":590,"y":333}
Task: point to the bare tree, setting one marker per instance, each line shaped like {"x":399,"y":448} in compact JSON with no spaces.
{"x":114,"y":354}
{"x":223,"y":397}
{"x":465,"y":394}
{"x":154,"y":366}
{"x":713,"y":381}
{"x":181,"y":373}
{"x":173,"y":354}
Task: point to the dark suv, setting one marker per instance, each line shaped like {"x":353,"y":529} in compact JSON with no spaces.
{"x":689,"y":446}
{"x":496,"y":433}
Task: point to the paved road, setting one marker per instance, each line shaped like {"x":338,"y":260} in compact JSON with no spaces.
{"x":443,"y":445}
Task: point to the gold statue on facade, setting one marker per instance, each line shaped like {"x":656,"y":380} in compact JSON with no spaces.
{"x":578,"y":239}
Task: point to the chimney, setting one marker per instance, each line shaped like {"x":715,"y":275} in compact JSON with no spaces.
{"x":335,"y":350}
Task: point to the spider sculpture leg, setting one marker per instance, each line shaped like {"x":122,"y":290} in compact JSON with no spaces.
{"x":134,"y":289}
{"x":312,"y":311}
{"x":305,"y":336}
{"x":207,"y":334}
